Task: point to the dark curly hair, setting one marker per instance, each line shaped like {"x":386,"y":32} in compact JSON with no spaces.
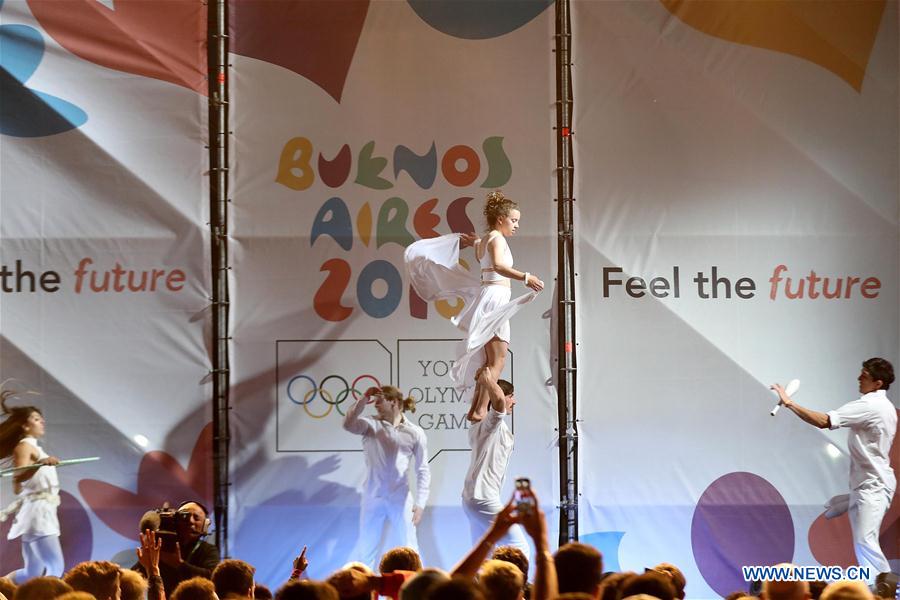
{"x":880,"y":370}
{"x":12,"y":429}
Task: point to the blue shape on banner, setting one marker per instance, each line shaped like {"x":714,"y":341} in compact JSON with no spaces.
{"x":333,"y":219}
{"x":25,"y":112}
{"x":607,"y":542}
{"x":374,"y":306}
{"x":478,"y":19}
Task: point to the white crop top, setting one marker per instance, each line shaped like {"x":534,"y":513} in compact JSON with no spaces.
{"x":487,"y":263}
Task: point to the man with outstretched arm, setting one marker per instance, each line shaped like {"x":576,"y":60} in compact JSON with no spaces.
{"x":872,"y":420}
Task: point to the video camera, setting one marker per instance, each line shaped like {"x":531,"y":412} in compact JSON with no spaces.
{"x":164,"y":523}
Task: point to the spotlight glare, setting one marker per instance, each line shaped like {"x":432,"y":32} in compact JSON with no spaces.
{"x":832,"y":451}
{"x":141,"y":440}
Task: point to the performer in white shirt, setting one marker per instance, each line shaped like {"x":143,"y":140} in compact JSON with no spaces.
{"x":872,"y":420}
{"x":492,"y":444}
{"x":37,"y":492}
{"x":390,"y":443}
{"x":435,"y":273}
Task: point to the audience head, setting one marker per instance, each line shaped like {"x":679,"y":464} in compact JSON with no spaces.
{"x":261,"y":592}
{"x":846,"y":590}
{"x":133,"y":585}
{"x":816,"y":588}
{"x":306,"y":590}
{"x":419,"y":585}
{"x":7,"y":587}
{"x":675,"y":575}
{"x":42,"y":588}
{"x":358,"y":566}
{"x":785,"y":590}
{"x":76,"y":596}
{"x":402,"y":558}
{"x":650,"y":583}
{"x":501,"y":579}
{"x":97,"y":577}
{"x":513,"y":555}
{"x":196,"y":588}
{"x":233,"y":578}
{"x":458,"y":588}
{"x":574,"y":596}
{"x":578,"y":568}
{"x":611,"y":584}
{"x":349,"y":580}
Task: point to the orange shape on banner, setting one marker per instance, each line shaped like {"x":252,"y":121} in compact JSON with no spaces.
{"x":425,"y":221}
{"x":160,"y":479}
{"x":314,"y":38}
{"x":831,"y":540}
{"x":162,"y":40}
{"x":837,"y":35}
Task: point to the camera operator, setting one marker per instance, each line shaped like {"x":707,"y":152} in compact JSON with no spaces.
{"x":183,"y":555}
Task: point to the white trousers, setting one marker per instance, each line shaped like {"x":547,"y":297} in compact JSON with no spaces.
{"x":384,"y":523}
{"x":867,"y":508}
{"x":481,"y":514}
{"x":42,"y":555}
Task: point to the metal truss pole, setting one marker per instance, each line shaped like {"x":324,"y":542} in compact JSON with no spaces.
{"x":566,"y":377}
{"x":218,"y":135}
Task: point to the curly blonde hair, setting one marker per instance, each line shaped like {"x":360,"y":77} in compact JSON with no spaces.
{"x":395,"y":395}
{"x":497,"y":206}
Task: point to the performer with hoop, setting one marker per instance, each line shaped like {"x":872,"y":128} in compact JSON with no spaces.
{"x":37,"y":491}
{"x":434,"y":270}
{"x":390,"y":443}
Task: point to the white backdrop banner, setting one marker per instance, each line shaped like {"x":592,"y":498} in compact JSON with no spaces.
{"x":349,"y":147}
{"x":737,"y":185}
{"x":104,"y":262}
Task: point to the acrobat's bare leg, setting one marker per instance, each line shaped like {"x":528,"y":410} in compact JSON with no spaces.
{"x":495,"y":358}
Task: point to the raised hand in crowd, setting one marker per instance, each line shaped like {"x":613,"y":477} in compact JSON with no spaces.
{"x":149,"y":552}
{"x":148,"y":555}
{"x":300,"y":564}
{"x":534,"y":521}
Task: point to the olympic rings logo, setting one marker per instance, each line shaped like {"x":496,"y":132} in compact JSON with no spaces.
{"x":333,"y":390}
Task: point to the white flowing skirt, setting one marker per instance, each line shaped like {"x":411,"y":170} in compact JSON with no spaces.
{"x":435,"y":273}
